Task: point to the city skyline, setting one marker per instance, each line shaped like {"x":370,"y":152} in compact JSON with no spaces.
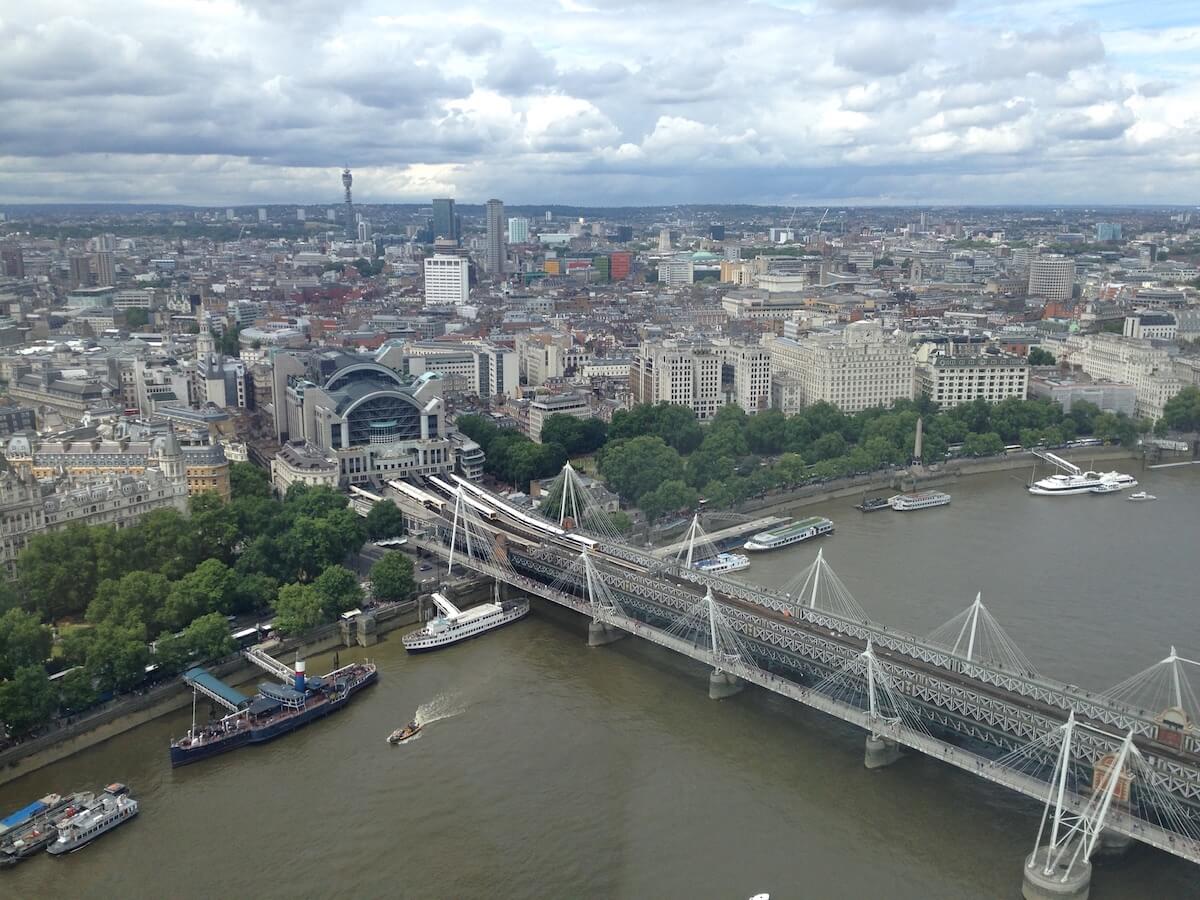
{"x":847,"y":102}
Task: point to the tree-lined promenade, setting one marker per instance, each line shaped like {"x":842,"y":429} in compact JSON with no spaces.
{"x":160,"y":591}
{"x":661,"y":460}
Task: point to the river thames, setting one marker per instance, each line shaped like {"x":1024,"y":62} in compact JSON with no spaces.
{"x":550,"y":770}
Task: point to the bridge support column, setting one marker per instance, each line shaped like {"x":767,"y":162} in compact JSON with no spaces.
{"x":600,"y":634}
{"x":1113,"y":843}
{"x":723,"y":684}
{"x":880,"y":752}
{"x":1037,"y":885}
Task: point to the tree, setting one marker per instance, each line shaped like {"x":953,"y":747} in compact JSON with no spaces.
{"x":215,"y":524}
{"x":27,"y":700}
{"x":634,"y":467}
{"x":621,"y":521}
{"x":172,"y":653}
{"x":136,"y":318}
{"x":767,"y":432}
{"x":24,"y":641}
{"x":338,"y":589}
{"x":791,"y":469}
{"x":675,"y":424}
{"x":248,"y":480}
{"x":134,"y":600}
{"x":57,"y":571}
{"x":576,"y":436}
{"x":1040,"y":357}
{"x":982,"y":444}
{"x":208,"y":637}
{"x":392,"y":578}
{"x":117,"y":656}
{"x":297,"y":609}
{"x":75,"y":691}
{"x":1182,"y":412}
{"x":211,"y":587}
{"x":668,"y":497}
{"x":384,"y":520}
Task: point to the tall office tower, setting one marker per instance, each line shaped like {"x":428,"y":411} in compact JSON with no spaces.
{"x":447,"y":280}
{"x":445,"y":220}
{"x":518,"y":231}
{"x":262,"y":214}
{"x":624,"y":234}
{"x":229,"y":216}
{"x":716,"y":232}
{"x":12,"y":261}
{"x":300,"y":214}
{"x":331,"y":215}
{"x":347,"y":180}
{"x":105,"y":267}
{"x":496,"y":249}
{"x":81,"y":270}
{"x":1052,"y":277}
{"x":364,"y":231}
{"x":664,"y":240}
{"x":549,"y":216}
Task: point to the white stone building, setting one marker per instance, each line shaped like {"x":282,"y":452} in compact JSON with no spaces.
{"x":447,"y":280}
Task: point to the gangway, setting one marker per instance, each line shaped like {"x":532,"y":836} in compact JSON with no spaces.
{"x":202,"y":682}
{"x":448,"y":609}
{"x":270,"y":664}
{"x":1069,"y":467}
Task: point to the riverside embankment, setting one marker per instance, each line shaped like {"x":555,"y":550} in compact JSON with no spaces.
{"x":128,"y":712}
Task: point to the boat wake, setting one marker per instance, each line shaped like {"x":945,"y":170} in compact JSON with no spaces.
{"x":443,"y":706}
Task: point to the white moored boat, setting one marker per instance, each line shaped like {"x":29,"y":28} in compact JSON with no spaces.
{"x":1073,"y":480}
{"x":1141,"y":496}
{"x":723,"y":562}
{"x":454,"y":625}
{"x":112,"y":808}
{"x":918,"y":500}
{"x":801,"y":530}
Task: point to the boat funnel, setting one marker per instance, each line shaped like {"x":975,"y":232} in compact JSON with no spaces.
{"x":300,"y":675}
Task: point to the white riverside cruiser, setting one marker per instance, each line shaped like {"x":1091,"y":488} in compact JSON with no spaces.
{"x":1073,"y":480}
{"x":112,"y":808}
{"x":723,"y":562}
{"x":454,"y":625}
{"x":784,"y":535}
{"x":918,"y":500}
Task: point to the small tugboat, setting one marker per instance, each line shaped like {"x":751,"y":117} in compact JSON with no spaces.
{"x":400,"y":735}
{"x":873,"y":504}
{"x":1141,"y":496}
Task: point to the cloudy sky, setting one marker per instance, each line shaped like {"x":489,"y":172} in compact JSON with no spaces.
{"x":601,"y":101}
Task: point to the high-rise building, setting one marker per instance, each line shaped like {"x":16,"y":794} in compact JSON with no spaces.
{"x":347,"y":180}
{"x":447,"y":280}
{"x":12,"y":261}
{"x":624,"y":234}
{"x":518,"y":230}
{"x":445,"y":221}
{"x":619,"y":264}
{"x":105,"y":268}
{"x":950,"y":379}
{"x":496,"y":249}
{"x":262,"y":214}
{"x":81,"y":270}
{"x":1052,"y":277}
{"x":858,"y":369}
{"x":664,"y":240}
{"x":364,"y":231}
{"x":1108,"y":231}
{"x":549,"y":216}
{"x":676,"y":270}
{"x":300,"y":214}
{"x":678,"y":372}
{"x":716,"y":232}
{"x":331,"y":214}
{"x":229,"y":215}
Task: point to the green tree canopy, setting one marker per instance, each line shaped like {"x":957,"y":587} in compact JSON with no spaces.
{"x":117,"y":656}
{"x":636,"y":466}
{"x":75,"y":691}
{"x":208,"y":637}
{"x":384,"y":520}
{"x":27,"y":700}
{"x":133,"y":600}
{"x":675,"y":424}
{"x":338,"y":590}
{"x":24,"y":641}
{"x":248,"y":480}
{"x":297,"y":609}
{"x":669,"y":497}
{"x":1040,"y":357}
{"x":392,"y":578}
{"x":1182,"y":412}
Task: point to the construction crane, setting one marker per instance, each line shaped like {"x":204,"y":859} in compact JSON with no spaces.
{"x":822,"y":222}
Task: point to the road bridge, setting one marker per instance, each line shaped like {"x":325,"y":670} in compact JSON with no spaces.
{"x":1108,"y":767}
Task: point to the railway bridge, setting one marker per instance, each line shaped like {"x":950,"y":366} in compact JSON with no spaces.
{"x":1108,"y":767}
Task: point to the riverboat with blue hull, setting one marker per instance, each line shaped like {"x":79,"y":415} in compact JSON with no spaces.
{"x":275,"y":711}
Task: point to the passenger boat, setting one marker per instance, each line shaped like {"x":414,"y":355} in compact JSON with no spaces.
{"x":454,"y":625}
{"x":277,"y":710}
{"x":723,"y":562}
{"x":873,"y":504}
{"x":1140,"y":496}
{"x":1070,"y":479}
{"x":918,"y":500}
{"x":785,"y":535}
{"x":39,"y":832}
{"x":403,"y":734}
{"x":112,"y":808}
{"x":28,"y":813}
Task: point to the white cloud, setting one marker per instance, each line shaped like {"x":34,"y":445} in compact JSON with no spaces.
{"x":628,"y":101}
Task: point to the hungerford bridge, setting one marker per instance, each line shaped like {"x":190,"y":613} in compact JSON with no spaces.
{"x":1109,"y":768}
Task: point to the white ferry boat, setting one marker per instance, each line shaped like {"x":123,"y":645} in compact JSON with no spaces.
{"x":918,"y":500}
{"x":722,"y":563}
{"x":454,"y":625}
{"x":112,"y":808}
{"x":784,"y":535}
{"x":1073,"y":480}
